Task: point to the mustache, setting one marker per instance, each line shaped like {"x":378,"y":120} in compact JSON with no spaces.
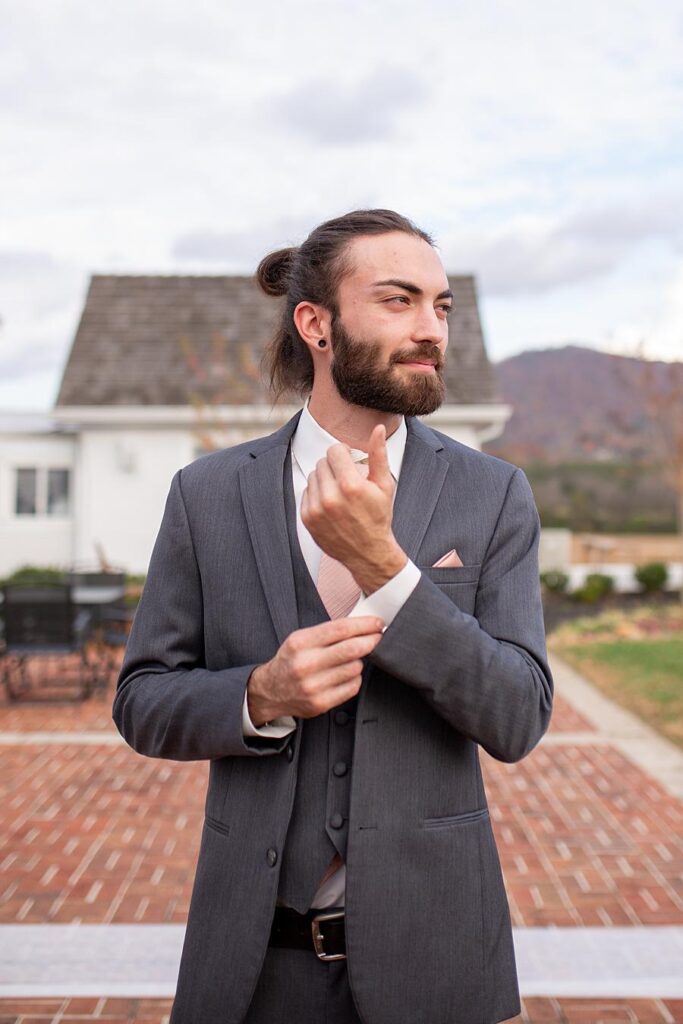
{"x":426,"y":353}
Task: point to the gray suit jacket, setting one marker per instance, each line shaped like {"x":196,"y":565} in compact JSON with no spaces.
{"x":462,"y":665}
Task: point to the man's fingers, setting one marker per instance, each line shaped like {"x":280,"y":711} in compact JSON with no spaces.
{"x":378,"y":461}
{"x":342,"y":629}
{"x":348,"y":650}
{"x":339,"y":460}
{"x":327,"y":485}
{"x":345,"y":691}
{"x":337,"y":675}
{"x":310,"y":500}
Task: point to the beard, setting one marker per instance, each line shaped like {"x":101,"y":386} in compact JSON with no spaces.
{"x":361,"y":379}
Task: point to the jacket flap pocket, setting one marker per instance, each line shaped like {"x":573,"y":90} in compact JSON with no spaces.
{"x":456,"y":819}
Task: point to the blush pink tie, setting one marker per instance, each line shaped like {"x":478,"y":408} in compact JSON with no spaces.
{"x":338,"y":592}
{"x":337,"y":588}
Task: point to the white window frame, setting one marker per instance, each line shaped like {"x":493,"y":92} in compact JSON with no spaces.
{"x":41,"y":511}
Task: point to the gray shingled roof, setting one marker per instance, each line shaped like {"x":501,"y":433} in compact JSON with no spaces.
{"x":177,"y":340}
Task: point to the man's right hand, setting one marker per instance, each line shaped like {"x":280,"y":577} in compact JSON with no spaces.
{"x":314,"y":670}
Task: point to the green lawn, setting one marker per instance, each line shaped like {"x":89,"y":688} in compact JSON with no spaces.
{"x":645,"y":676}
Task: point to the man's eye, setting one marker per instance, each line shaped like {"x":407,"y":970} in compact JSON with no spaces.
{"x":447,"y":309}
{"x":398,"y":298}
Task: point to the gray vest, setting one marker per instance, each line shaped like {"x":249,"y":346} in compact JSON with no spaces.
{"x":319,"y":824}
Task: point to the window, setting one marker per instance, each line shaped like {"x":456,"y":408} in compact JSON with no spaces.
{"x":57,"y":492}
{"x":26,"y":492}
{"x":42,"y":491}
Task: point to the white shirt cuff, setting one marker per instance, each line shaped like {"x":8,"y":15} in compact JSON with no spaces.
{"x":387,"y":602}
{"x":274,"y":730}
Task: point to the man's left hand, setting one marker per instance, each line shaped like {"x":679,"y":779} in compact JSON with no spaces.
{"x":349,"y":517}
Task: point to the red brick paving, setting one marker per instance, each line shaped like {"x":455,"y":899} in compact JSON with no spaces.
{"x":98,"y":834}
{"x":157,"y":1011}
{"x":586,"y":838}
{"x":567,"y":719}
{"x":88,"y":716}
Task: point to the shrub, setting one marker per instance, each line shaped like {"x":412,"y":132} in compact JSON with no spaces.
{"x":555,"y":580}
{"x":596,"y":586}
{"x":652,"y":576}
{"x":39,"y":574}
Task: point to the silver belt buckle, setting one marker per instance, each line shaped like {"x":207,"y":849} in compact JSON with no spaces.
{"x":318,"y":937}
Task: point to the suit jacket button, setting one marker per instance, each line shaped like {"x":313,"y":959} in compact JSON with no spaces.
{"x":290,"y":752}
{"x":271,"y":857}
{"x":336,"y":821}
{"x":340,"y":768}
{"x":341,"y":717}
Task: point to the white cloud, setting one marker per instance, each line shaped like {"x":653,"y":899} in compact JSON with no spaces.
{"x":39,"y":305}
{"x":535,"y":254}
{"x":242,"y":249}
{"x":658,"y":335}
{"x":332,"y":114}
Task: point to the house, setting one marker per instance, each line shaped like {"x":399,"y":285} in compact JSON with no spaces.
{"x":162,"y":369}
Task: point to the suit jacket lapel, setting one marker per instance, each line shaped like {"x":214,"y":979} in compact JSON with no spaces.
{"x":261,"y":488}
{"x":423,"y":472}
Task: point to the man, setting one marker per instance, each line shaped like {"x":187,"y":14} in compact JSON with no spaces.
{"x":338,"y":646}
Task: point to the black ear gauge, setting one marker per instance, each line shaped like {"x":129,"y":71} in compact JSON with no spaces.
{"x":321,"y":343}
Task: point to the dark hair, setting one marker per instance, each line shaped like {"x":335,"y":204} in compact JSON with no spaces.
{"x":312,"y":272}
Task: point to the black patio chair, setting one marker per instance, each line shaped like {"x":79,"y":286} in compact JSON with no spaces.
{"x":110,"y":634}
{"x":42,"y":623}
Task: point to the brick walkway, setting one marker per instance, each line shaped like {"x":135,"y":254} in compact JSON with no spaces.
{"x":97,"y":834}
{"x":157,"y":1011}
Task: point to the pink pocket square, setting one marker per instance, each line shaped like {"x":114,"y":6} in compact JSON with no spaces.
{"x":451,"y":560}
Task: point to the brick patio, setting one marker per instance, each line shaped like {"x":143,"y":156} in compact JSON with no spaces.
{"x":157,"y":1011}
{"x":97,"y":834}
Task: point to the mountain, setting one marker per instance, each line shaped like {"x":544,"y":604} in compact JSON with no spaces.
{"x":578,"y":404}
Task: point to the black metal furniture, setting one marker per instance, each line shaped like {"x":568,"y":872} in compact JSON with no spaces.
{"x":41,"y":625}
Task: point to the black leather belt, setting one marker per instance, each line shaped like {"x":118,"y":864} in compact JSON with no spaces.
{"x":319,"y":930}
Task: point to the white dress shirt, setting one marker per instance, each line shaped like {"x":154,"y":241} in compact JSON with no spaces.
{"x":309,"y":444}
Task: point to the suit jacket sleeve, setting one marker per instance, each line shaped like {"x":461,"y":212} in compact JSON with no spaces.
{"x":167,"y":703}
{"x":486,"y":674}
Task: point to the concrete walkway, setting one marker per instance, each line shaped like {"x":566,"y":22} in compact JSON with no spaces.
{"x":142,"y":960}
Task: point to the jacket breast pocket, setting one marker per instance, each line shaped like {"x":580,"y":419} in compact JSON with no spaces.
{"x":459,"y":584}
{"x":458,"y":576}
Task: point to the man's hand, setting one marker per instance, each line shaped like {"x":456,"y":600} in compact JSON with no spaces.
{"x":350,"y":517}
{"x":314,"y":670}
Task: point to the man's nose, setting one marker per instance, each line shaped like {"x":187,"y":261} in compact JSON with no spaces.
{"x":429,"y":327}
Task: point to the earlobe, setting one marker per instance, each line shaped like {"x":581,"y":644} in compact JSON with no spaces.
{"x":309,"y":321}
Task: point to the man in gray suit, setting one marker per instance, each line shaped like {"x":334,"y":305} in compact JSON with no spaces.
{"x":337,"y":616}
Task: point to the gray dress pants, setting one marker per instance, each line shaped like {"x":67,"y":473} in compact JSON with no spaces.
{"x":295,"y":987}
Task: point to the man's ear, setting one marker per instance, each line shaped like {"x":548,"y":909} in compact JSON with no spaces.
{"x":314,"y":324}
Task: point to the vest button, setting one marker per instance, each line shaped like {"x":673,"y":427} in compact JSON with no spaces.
{"x":336,"y":821}
{"x":340,"y":768}
{"x":271,"y":857}
{"x":290,"y":752}
{"x":341,"y":717}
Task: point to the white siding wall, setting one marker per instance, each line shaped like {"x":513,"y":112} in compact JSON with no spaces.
{"x":29,"y":539}
{"x":124,"y":476}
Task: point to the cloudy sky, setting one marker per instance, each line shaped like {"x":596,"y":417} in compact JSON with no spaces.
{"x":541,"y":143}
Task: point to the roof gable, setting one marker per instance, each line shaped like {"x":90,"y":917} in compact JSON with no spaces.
{"x":180,"y":340}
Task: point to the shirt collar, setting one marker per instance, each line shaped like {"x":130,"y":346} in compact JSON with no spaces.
{"x":311,"y":441}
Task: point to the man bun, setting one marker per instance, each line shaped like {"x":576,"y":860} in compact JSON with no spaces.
{"x":273,"y":272}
